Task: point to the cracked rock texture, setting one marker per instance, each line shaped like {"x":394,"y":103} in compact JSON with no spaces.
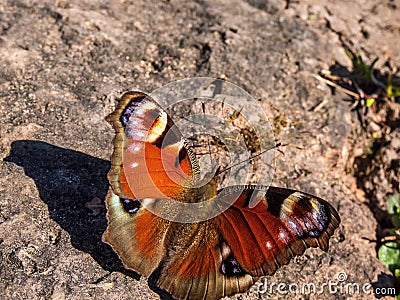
{"x":63,"y":64}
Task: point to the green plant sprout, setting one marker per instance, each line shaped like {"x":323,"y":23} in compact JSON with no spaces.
{"x":389,"y":251}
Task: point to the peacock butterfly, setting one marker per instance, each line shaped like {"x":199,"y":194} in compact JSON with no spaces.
{"x":211,"y":258}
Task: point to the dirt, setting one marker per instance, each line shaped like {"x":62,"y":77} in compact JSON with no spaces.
{"x":64,"y":64}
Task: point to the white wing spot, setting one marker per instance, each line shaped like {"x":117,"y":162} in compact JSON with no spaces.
{"x":268,"y":245}
{"x":135,"y":148}
{"x":284,"y":236}
{"x":134,"y":165}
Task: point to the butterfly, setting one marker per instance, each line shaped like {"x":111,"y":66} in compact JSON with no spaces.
{"x":213,"y":257}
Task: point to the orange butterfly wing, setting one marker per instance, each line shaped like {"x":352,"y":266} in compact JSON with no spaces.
{"x":135,"y":234}
{"x":210,"y":259}
{"x":150,"y":159}
{"x":282,"y":225}
{"x":229,"y":253}
{"x":146,"y":164}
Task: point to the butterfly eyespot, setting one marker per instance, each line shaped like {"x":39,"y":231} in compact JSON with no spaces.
{"x":231,"y":267}
{"x":131,"y":206}
{"x":125,"y":117}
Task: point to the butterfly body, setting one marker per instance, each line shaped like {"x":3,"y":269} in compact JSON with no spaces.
{"x":155,"y":185}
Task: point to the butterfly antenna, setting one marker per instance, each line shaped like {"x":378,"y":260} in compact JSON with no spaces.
{"x":250,"y":159}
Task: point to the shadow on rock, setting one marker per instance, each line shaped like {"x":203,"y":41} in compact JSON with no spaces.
{"x":67,"y":180}
{"x":384,"y":286}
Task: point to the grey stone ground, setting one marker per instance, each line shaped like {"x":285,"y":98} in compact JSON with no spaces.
{"x":63,"y":64}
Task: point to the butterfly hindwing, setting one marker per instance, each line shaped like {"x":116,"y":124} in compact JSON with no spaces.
{"x":135,"y":234}
{"x":193,"y":269}
{"x":282,"y":225}
{"x":227,"y":254}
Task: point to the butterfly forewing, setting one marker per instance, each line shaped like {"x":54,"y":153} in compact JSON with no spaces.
{"x":138,"y":172}
{"x":150,"y":158}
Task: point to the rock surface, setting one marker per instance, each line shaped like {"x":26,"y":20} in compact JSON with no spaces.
{"x":63,"y":64}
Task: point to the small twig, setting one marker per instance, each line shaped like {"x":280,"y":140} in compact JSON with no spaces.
{"x":331,"y":76}
{"x":331,"y":83}
{"x":389,"y":238}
